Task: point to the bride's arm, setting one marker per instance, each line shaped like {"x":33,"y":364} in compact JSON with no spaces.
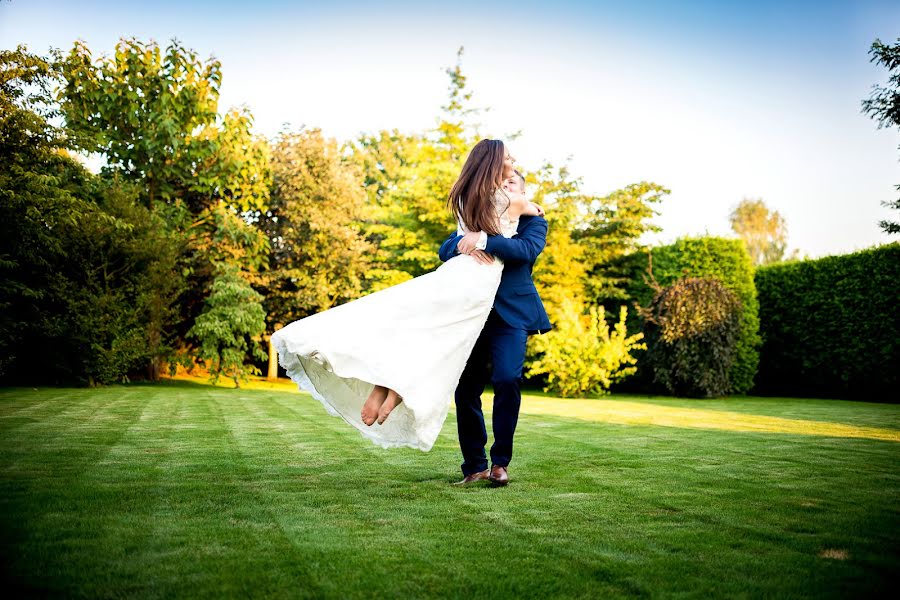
{"x":519,"y":205}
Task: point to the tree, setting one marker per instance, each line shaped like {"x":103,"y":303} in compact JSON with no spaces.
{"x":81,"y":262}
{"x":232,"y":317}
{"x":318,"y":255}
{"x":692,"y":329}
{"x":764,"y":232}
{"x":560,"y":273}
{"x":154,"y":116}
{"x":32,"y":202}
{"x":408,"y":177}
{"x":610,"y":231}
{"x":724,"y":259}
{"x":883,"y":105}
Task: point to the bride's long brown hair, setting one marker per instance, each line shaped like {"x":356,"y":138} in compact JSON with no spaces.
{"x":470,"y":197}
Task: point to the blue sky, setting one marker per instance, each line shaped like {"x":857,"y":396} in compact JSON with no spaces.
{"x":715,"y":100}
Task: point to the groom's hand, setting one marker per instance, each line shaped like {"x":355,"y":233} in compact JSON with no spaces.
{"x":482,"y":257}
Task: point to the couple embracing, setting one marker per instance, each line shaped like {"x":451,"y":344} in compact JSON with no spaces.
{"x":391,"y":362}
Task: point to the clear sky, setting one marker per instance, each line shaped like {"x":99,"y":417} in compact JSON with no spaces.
{"x":715,"y":100}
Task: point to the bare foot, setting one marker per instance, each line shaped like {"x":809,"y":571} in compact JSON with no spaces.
{"x":369,"y":410}
{"x":393,"y":399}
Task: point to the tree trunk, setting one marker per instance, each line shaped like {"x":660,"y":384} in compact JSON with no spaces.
{"x":273,"y":359}
{"x":154,"y":368}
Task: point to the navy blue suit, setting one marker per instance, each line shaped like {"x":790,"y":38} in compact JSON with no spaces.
{"x":517,"y":313}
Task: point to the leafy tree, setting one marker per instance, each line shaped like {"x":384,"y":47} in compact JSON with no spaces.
{"x":154,"y":115}
{"x":610,"y":232}
{"x":35,"y":198}
{"x":385,"y":160}
{"x":764,"y":232}
{"x":883,"y":105}
{"x":120,"y":289}
{"x":560,"y":272}
{"x":232,"y":318}
{"x":408,"y":177}
{"x":318,"y":256}
{"x":80,"y":260}
{"x":724,"y":259}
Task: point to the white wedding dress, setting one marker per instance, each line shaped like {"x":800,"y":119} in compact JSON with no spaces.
{"x":414,"y":338}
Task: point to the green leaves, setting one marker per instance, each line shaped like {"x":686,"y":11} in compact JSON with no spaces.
{"x":764,"y":232}
{"x":232,"y":317}
{"x":883,"y":105}
{"x":318,"y":254}
{"x":724,"y":259}
{"x":153,"y":113}
{"x":407,"y":180}
{"x":156,"y":119}
{"x":581,"y":355}
{"x":610,"y":232}
{"x":830,"y":326}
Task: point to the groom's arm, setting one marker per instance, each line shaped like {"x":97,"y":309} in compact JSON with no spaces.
{"x":524,"y":247}
{"x":448,"y":248}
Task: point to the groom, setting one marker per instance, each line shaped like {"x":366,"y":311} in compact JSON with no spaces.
{"x":517,"y":313}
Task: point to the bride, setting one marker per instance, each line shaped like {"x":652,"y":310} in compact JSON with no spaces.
{"x":388,"y":363}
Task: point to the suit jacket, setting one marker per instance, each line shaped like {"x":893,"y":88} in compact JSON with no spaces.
{"x":517,"y":300}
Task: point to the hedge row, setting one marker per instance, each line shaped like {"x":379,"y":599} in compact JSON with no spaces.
{"x":831,"y":326}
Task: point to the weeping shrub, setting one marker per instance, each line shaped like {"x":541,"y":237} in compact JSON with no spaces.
{"x":724,"y":259}
{"x":692,"y":328}
{"x":581,"y":356}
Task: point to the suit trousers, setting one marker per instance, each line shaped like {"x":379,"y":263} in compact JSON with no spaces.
{"x":503,"y":347}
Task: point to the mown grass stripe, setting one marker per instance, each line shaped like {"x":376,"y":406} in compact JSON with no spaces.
{"x":181,"y":490}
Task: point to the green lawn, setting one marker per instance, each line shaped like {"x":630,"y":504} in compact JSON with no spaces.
{"x":180,"y":489}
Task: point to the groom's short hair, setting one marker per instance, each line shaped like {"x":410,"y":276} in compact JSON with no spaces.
{"x":522,"y":177}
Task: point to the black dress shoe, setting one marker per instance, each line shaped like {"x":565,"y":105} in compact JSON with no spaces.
{"x":498,"y":475}
{"x":474,"y":477}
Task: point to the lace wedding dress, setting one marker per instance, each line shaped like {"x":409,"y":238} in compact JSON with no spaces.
{"x":414,"y":337}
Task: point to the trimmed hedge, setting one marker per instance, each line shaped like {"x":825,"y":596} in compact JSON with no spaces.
{"x":724,"y":259}
{"x":831,"y":326}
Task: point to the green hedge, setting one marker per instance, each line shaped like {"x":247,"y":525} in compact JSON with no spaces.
{"x":831,"y":326}
{"x":724,"y":259}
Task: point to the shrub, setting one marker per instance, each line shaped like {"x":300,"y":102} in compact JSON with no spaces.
{"x":232,"y":318}
{"x":831,"y":327}
{"x":581,"y":356}
{"x":692,"y":328}
{"x":726,"y":260}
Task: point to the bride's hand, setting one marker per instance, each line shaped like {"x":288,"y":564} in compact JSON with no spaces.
{"x":482,"y":257}
{"x":467,"y":244}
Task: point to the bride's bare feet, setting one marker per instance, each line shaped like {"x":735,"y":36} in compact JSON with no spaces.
{"x":393,"y":399}
{"x":376,"y":399}
{"x":390,"y":404}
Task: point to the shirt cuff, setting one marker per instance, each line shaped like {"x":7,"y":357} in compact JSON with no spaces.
{"x":481,"y":244}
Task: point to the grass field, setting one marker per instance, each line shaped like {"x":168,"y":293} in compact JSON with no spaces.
{"x":183,"y":489}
